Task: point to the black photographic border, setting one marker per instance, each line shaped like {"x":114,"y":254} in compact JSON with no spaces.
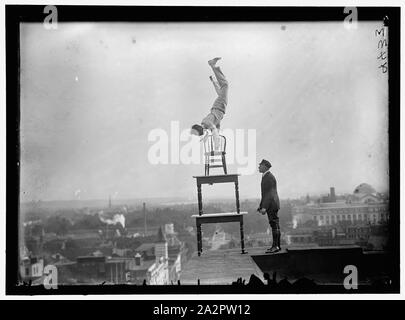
{"x":15,"y":14}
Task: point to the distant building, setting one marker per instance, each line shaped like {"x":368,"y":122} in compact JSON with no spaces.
{"x":175,"y":254}
{"x":167,"y":255}
{"x":160,"y":273}
{"x":190,"y":230}
{"x":152,"y":262}
{"x":332,"y":237}
{"x":360,"y":207}
{"x":331,"y":197}
{"x":31,"y":268}
{"x":146,"y":251}
{"x":259,"y":239}
{"x":116,"y":269}
{"x":140,"y":270}
{"x":121,"y":252}
{"x":66,"y":269}
{"x":301,"y":236}
{"x":169,"y":228}
{"x":91,"y":269}
{"x":356,"y":219}
{"x":156,"y":263}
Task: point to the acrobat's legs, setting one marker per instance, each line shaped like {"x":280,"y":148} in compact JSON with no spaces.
{"x":222,"y":82}
{"x":216,"y":85}
{"x":222,"y":100}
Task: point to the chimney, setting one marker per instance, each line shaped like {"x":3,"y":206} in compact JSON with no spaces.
{"x":138,"y":259}
{"x":332,"y":194}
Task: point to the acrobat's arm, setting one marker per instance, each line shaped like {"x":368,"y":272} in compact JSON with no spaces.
{"x":205,"y":137}
{"x":215,"y":133}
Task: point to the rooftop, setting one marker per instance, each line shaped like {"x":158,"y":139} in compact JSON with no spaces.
{"x":144,"y":266}
{"x":145,"y":246}
{"x":324,"y":265}
{"x":219,"y":267}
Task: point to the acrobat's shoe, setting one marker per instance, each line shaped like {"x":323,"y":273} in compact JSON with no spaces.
{"x":212,"y":62}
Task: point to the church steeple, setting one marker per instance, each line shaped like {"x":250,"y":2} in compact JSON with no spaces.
{"x":161,"y":249}
{"x":161,"y":236}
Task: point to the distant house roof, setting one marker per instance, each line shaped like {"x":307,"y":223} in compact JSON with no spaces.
{"x":368,"y":197}
{"x":64,"y":263}
{"x":90,"y":259}
{"x":115,"y":261}
{"x":145,"y":247}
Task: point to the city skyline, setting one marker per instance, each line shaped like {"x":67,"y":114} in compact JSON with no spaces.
{"x":188,"y":200}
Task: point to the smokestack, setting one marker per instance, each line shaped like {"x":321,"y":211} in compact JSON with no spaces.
{"x":109,"y":201}
{"x":332,"y":194}
{"x":144,"y":216}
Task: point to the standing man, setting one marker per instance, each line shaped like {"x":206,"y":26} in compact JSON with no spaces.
{"x":270,"y":203}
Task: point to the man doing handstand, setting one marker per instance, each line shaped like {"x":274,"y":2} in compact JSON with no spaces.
{"x":212,"y":121}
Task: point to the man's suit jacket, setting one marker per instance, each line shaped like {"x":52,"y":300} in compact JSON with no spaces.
{"x":270,"y":200}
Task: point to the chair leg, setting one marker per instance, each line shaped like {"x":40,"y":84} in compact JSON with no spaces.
{"x":224,"y":164}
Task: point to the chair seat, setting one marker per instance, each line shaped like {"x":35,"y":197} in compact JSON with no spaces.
{"x":215,"y":160}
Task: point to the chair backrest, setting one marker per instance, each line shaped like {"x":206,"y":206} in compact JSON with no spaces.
{"x":209,"y":145}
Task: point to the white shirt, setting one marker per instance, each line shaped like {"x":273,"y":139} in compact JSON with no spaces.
{"x":265,"y":173}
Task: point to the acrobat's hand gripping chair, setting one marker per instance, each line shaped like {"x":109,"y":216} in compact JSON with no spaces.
{"x":213,"y":155}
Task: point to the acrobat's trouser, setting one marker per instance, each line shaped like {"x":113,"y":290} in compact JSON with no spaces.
{"x":213,"y":119}
{"x":275,"y":227}
{"x":222,"y":90}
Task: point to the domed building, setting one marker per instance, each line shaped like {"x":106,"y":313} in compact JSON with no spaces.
{"x":365,"y":193}
{"x":364,"y":188}
{"x":364,"y":206}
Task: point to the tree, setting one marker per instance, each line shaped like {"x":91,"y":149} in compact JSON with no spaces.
{"x":58,"y":225}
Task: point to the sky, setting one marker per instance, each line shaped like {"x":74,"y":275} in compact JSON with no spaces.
{"x":93,"y":96}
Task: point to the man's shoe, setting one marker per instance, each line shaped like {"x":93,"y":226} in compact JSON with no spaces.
{"x":273,"y":249}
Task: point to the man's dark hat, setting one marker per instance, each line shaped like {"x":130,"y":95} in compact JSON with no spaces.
{"x":266,"y":163}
